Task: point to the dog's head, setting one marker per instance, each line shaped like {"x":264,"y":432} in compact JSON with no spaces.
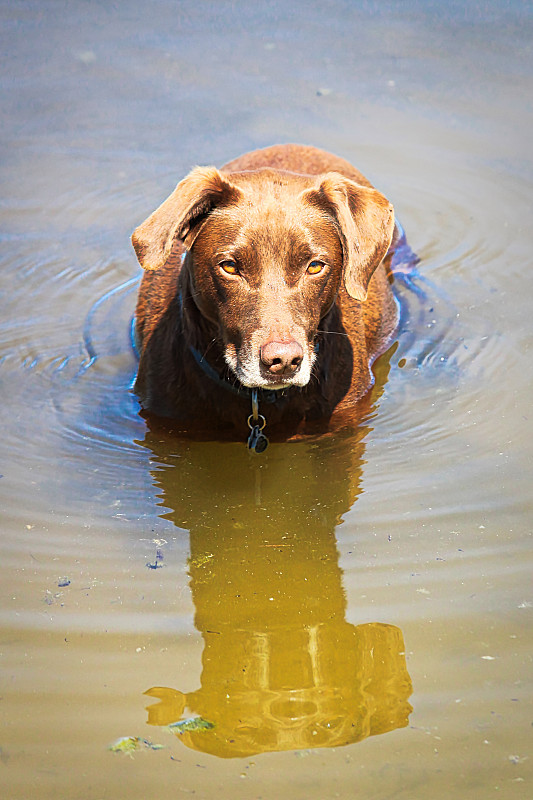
{"x":268,"y":251}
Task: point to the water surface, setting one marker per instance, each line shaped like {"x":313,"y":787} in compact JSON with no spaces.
{"x":352,"y":615}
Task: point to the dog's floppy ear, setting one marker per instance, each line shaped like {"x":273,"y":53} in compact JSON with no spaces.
{"x":365,"y":221}
{"x":179,"y":216}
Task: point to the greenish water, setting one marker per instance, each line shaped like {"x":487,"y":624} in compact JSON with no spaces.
{"x":351,"y":616}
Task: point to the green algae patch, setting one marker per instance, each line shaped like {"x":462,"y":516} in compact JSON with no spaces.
{"x":130,"y":744}
{"x":191,"y":725}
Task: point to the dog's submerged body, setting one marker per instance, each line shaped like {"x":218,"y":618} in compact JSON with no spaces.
{"x":272,"y":275}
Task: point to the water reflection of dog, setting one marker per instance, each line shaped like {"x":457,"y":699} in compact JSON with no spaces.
{"x":282,"y":669}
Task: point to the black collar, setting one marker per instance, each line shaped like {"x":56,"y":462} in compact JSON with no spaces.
{"x":265,"y":395}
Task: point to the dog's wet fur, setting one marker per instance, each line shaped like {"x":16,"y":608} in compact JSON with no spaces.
{"x":271,"y":273}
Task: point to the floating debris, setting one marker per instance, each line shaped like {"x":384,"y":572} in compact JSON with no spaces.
{"x":191,"y":725}
{"x":199,"y":561}
{"x":85,"y":56}
{"x":129,"y":744}
{"x":517,"y":759}
{"x":157,"y":561}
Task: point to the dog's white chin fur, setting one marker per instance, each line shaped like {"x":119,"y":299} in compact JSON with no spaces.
{"x":247,"y":370}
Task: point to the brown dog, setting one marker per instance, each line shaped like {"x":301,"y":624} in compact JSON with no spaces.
{"x":266,"y":284}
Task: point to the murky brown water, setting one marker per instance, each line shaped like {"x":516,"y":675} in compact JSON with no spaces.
{"x":352,"y":616}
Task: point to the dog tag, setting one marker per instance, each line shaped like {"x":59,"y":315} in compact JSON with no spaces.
{"x":257,"y":441}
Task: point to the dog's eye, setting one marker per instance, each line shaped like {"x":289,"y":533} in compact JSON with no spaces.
{"x":229,"y":267}
{"x":315,"y":267}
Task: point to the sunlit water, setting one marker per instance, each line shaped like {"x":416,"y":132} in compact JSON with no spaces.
{"x":342,"y":618}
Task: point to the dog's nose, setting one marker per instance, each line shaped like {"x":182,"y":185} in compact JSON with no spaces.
{"x":282,"y":358}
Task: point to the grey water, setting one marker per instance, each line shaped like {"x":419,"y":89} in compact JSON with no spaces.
{"x":352,"y":616}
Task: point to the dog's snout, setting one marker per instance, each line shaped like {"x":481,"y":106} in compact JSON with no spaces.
{"x":282,"y":358}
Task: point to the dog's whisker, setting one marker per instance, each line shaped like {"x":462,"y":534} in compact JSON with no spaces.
{"x":334,"y":333}
{"x":211,"y":343}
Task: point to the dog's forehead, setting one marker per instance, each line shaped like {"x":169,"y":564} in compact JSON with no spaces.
{"x":271,"y":225}
{"x":268,"y":229}
{"x":273,"y":202}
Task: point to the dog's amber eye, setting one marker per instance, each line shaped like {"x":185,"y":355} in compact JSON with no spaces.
{"x":315,"y":267}
{"x":229,"y":267}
